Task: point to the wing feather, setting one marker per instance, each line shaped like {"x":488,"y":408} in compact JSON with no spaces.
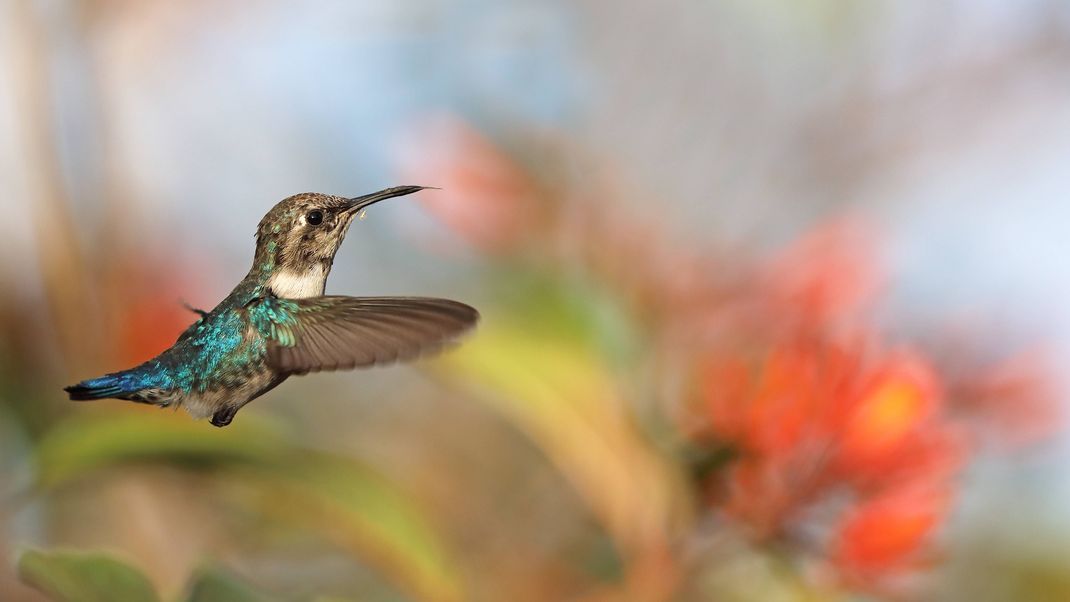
{"x":340,"y":333}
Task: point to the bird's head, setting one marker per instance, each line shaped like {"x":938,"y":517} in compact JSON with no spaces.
{"x":297,"y":240}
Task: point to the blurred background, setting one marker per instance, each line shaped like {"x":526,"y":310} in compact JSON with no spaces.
{"x":774,"y":298}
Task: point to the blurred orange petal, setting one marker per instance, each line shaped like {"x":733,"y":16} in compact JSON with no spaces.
{"x":888,"y":532}
{"x":759,"y":494}
{"x":727,"y":381}
{"x":829,"y":273}
{"x":783,"y":406}
{"x":1017,"y":396}
{"x":899,"y":399}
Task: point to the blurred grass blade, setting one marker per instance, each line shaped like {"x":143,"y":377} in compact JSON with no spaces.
{"x":213,"y":585}
{"x":84,"y":577}
{"x":362,"y":511}
{"x":89,"y":442}
{"x":558,"y":391}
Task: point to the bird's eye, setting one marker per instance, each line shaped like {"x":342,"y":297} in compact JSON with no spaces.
{"x":314,"y":218}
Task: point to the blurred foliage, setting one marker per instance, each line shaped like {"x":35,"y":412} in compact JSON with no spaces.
{"x":641,"y":416}
{"x":86,"y":443}
{"x":211,"y":585}
{"x":717,"y":427}
{"x":271,"y":474}
{"x":84,"y":577}
{"x":558,"y":391}
{"x":96,"y":577}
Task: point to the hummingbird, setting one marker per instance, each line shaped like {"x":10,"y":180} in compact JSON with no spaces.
{"x":277,"y":322}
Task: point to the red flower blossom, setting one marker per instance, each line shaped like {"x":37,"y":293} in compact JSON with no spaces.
{"x":898,"y":425}
{"x":888,"y":531}
{"x":820,"y":423}
{"x":828,"y":429}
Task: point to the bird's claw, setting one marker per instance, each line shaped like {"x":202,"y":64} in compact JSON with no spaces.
{"x":223,"y":417}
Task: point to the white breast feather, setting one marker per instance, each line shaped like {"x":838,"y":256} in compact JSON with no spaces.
{"x":292,"y":285}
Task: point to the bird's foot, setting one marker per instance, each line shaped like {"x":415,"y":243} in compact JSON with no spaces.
{"x":223,"y":417}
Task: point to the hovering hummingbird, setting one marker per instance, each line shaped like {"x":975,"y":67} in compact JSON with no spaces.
{"x":277,"y":321}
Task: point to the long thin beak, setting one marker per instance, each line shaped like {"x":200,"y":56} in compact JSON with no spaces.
{"x":358,"y":203}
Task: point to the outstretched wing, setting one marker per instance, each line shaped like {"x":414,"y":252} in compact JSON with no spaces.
{"x":340,"y":333}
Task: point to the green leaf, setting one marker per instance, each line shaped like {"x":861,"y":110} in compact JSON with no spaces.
{"x":95,"y":440}
{"x":362,"y":511}
{"x":213,"y":585}
{"x":84,"y":577}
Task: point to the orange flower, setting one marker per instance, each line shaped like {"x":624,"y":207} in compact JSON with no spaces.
{"x":815,"y":422}
{"x":899,"y":399}
{"x":888,"y":532}
{"x":793,"y":397}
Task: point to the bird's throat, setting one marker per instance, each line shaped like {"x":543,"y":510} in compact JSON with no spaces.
{"x":288,"y":283}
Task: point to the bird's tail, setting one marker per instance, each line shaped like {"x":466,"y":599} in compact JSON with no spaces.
{"x":121,"y":385}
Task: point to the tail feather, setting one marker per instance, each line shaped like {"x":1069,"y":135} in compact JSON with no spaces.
{"x":112,"y":385}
